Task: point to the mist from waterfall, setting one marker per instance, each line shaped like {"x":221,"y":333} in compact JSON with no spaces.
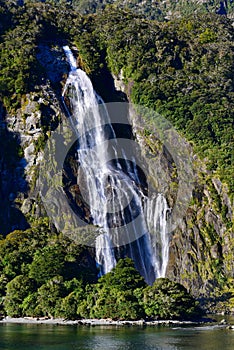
{"x":111,"y":185}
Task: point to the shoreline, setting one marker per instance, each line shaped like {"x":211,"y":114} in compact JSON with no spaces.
{"x":103,"y":322}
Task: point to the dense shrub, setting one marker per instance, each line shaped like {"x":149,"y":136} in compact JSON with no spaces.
{"x":169,"y":300}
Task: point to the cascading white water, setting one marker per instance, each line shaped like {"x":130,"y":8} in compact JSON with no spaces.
{"x":71,"y":59}
{"x":156,"y":211}
{"x":85,"y":117}
{"x":109,"y":188}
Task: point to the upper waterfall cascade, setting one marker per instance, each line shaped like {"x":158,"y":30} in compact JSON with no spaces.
{"x":109,"y":188}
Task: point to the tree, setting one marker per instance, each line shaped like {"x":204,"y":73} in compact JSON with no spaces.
{"x":114,"y":294}
{"x":50,"y":295}
{"x":123,"y":276}
{"x":169,"y":300}
{"x":71,"y":302}
{"x":17,"y":290}
{"x":47,"y":263}
{"x":110,"y":302}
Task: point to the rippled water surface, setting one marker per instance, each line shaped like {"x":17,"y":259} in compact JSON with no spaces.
{"x":53,"y":337}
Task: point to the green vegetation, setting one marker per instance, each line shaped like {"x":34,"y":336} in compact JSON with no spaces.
{"x":159,"y":10}
{"x":21,"y":31}
{"x":183,"y":69}
{"x":165,"y":295}
{"x":37,"y":279}
{"x":38,"y":269}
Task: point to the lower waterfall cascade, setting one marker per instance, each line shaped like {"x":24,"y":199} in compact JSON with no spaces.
{"x":109,"y":187}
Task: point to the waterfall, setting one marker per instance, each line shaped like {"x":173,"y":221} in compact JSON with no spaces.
{"x":71,"y":59}
{"x":156,"y":212}
{"x":111,"y":186}
{"x":87,"y":122}
{"x":105,"y":259}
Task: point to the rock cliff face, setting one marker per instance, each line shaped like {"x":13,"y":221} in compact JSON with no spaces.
{"x":201,"y":246}
{"x":24,"y":133}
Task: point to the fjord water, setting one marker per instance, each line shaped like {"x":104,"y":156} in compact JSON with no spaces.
{"x":112,"y":185}
{"x":53,"y":337}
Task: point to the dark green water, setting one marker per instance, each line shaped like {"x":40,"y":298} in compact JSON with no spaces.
{"x":52,"y":337}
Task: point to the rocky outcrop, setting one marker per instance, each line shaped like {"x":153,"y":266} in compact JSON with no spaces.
{"x":202,"y":244}
{"x":29,"y":126}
